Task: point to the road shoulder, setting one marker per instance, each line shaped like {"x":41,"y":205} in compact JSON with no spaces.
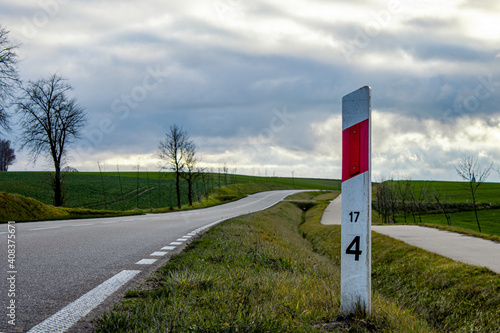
{"x":467,"y":249}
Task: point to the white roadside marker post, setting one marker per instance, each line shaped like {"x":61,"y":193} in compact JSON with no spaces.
{"x":355,"y":276}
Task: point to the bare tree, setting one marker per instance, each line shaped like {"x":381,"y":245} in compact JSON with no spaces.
{"x":172,"y":150}
{"x":50,"y":121}
{"x":474,"y":174}
{"x":442,"y":204}
{"x":9,"y":77}
{"x":391,"y":196}
{"x":7,"y":156}
{"x":418,"y":197}
{"x":383,"y":202}
{"x":386,"y":196}
{"x":190,"y":172}
{"x":403,"y":191}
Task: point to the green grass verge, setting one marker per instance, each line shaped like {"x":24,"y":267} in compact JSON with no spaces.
{"x":255,"y":273}
{"x":467,"y":229}
{"x":448,"y":295}
{"x":451,"y":296}
{"x":464,"y":231}
{"x":488,"y":218}
{"x":14,"y":207}
{"x":225,"y":194}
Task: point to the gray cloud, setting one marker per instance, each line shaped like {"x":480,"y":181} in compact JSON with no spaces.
{"x":224,"y":75}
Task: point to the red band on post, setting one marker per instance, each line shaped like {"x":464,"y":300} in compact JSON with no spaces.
{"x":355,"y":146}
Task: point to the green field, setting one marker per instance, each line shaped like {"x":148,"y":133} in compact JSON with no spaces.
{"x":130,"y":190}
{"x":489,"y":219}
{"x":488,"y":193}
{"x":455,"y":196}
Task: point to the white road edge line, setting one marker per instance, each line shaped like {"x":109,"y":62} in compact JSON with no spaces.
{"x":146,"y":261}
{"x":168,"y":248}
{"x":68,"y":316}
{"x":158,"y":253}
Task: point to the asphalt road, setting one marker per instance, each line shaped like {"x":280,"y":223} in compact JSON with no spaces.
{"x":64,"y":269}
{"x":470,"y":250}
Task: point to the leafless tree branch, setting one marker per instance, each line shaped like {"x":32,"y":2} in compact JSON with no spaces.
{"x":174,"y":151}
{"x":9,"y":77}
{"x":50,"y":121}
{"x":474,"y":175}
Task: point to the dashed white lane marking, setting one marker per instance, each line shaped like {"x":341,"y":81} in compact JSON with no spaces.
{"x":3,"y":232}
{"x":66,"y":317}
{"x":43,"y":228}
{"x":186,"y":237}
{"x":82,"y":225}
{"x":158,"y":253}
{"x":145,"y":261}
{"x":181,"y":240}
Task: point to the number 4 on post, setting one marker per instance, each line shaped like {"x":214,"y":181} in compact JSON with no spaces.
{"x":357,"y":252}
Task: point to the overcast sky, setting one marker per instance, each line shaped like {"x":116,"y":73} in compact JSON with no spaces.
{"x":258,"y":84}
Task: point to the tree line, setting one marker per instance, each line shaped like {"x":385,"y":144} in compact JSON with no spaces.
{"x":51,"y":119}
{"x":404,"y":200}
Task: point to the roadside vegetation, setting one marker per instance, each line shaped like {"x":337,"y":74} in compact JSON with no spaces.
{"x":447,"y":204}
{"x":403,"y":201}
{"x":449,"y":296}
{"x":279,"y":271}
{"x":142,"y":190}
{"x":15,"y":207}
{"x":254,"y":273}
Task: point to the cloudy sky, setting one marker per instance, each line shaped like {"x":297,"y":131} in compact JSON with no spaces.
{"x":258,"y":84}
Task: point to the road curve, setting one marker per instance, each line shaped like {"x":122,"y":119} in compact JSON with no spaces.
{"x":470,"y":250}
{"x":64,"y":269}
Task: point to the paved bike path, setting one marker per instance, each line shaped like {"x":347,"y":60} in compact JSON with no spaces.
{"x":467,"y":249}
